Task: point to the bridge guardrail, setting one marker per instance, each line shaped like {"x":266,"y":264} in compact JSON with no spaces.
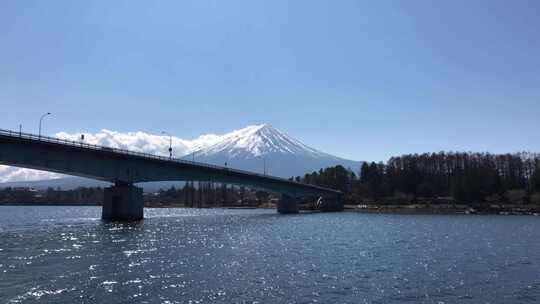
{"x":55,"y":140}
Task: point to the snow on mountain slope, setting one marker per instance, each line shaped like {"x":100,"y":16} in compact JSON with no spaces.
{"x":256,"y":141}
{"x":262,"y":147}
{"x":252,"y":148}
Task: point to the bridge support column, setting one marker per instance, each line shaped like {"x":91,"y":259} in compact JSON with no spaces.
{"x":122,"y":202}
{"x":287,"y":205}
{"x":332,"y":205}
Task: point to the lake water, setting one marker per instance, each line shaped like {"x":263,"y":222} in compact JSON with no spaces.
{"x":68,"y":255}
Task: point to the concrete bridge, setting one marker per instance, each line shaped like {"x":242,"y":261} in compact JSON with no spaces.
{"x":124,"y":168}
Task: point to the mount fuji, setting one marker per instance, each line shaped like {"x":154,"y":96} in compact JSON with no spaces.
{"x":258,"y":148}
{"x":263,"y":148}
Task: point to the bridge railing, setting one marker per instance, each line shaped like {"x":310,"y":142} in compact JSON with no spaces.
{"x":81,"y":144}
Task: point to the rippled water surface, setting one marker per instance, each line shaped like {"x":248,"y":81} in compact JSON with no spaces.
{"x":68,"y":255}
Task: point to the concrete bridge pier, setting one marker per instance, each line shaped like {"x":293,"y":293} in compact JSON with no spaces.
{"x":287,"y":205}
{"x":122,"y":202}
{"x":332,"y":204}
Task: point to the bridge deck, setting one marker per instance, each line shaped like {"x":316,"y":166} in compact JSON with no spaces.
{"x":20,"y":139}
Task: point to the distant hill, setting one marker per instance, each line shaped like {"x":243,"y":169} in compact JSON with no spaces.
{"x":73,"y":182}
{"x":66,"y":183}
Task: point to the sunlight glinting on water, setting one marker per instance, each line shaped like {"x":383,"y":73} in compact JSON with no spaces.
{"x":66,"y":255}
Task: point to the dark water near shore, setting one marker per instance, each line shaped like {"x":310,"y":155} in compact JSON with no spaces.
{"x":67,"y":255}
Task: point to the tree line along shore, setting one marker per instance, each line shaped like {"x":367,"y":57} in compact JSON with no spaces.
{"x":434,"y":182}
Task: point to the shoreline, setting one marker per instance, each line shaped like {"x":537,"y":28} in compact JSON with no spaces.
{"x":51,"y":204}
{"x":497,"y":209}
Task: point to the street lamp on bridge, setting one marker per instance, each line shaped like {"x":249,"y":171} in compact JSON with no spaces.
{"x":170,"y":143}
{"x":40,"y":121}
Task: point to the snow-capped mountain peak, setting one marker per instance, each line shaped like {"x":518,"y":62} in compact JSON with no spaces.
{"x":256,"y":141}
{"x":263,"y":148}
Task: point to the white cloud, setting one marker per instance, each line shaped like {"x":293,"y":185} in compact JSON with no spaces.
{"x":135,"y":141}
{"x":11,"y":174}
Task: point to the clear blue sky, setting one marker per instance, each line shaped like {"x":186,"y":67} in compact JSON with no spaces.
{"x":359,"y":79}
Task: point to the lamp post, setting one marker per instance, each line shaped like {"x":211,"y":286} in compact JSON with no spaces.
{"x":170,"y":143}
{"x":40,"y":121}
